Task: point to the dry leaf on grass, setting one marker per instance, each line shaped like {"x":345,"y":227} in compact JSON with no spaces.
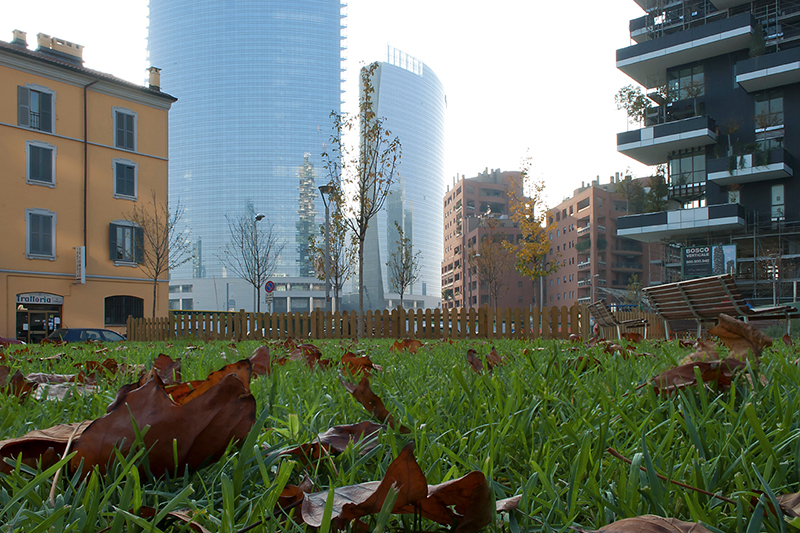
{"x":181,"y":515}
{"x":740,"y":337}
{"x":46,"y":445}
{"x":291,"y":495}
{"x":406,"y":345}
{"x":633,"y":336}
{"x":704,"y":351}
{"x":168,"y":370}
{"x":372,"y":403}
{"x":202,"y":422}
{"x":355,"y":501}
{"x":650,"y":524}
{"x":463,"y":503}
{"x":358,"y":365}
{"x":261,"y":361}
{"x":474,"y":362}
{"x":16,"y":385}
{"x":508,"y":504}
{"x":338,"y":438}
{"x":684,"y":376}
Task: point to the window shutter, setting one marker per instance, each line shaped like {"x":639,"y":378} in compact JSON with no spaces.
{"x":46,"y":155}
{"x":120,"y":125}
{"x":35,"y":161}
{"x":24,"y":114}
{"x":35,"y":231}
{"x":46,"y":119}
{"x":47,"y":234}
{"x":138,"y":245}
{"x":130,"y":182}
{"x":112,"y":242}
{"x":129,"y":132}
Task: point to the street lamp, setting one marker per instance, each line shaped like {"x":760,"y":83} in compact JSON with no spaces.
{"x":323,"y":190}
{"x":257,"y":288}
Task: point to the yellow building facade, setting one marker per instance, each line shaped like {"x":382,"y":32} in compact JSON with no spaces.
{"x":79,"y":150}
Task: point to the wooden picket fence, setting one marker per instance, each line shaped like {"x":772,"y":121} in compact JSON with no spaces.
{"x":483,"y":323}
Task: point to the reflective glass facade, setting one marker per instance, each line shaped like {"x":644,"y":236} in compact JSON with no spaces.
{"x":256,"y":83}
{"x":412,"y":102}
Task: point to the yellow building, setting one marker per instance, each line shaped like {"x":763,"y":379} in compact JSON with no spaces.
{"x":79,"y":149}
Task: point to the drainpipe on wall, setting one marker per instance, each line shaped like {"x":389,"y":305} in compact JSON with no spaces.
{"x":85,"y":161}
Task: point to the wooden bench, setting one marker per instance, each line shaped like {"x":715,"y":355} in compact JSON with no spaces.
{"x":704,"y":299}
{"x":604,"y":318}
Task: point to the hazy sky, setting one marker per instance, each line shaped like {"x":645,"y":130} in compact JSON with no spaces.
{"x":521,"y":78}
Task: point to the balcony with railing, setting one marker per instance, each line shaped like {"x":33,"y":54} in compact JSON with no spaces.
{"x":769,"y":70}
{"x":585,"y":282}
{"x":647,"y":62}
{"x":652,"y":145}
{"x":750,"y":168}
{"x":584,"y":264}
{"x":624,"y":265}
{"x":652,"y":227}
{"x":585,"y":299}
{"x":584,"y":230}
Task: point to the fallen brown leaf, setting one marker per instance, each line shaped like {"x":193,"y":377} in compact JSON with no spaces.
{"x":684,"y":376}
{"x":168,"y":370}
{"x":406,"y":345}
{"x":354,"y":501}
{"x":201,"y":423}
{"x":740,"y":337}
{"x":474,"y":362}
{"x":356,"y":364}
{"x":372,"y":403}
{"x":633,"y":336}
{"x":338,"y":438}
{"x":181,"y":515}
{"x":649,"y":524}
{"x":508,"y":504}
{"x":261,"y":361}
{"x":704,"y":351}
{"x":787,"y":340}
{"x":46,"y":445}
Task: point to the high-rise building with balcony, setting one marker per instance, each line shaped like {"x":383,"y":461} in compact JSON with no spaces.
{"x":411,"y":101}
{"x":257,"y":83}
{"x":724,"y":80}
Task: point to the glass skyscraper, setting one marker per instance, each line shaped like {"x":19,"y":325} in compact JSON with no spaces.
{"x":256,"y":82}
{"x":411,"y":100}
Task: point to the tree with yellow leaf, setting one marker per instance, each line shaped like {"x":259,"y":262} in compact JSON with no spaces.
{"x":529,"y":213}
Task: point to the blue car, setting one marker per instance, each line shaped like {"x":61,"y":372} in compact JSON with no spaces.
{"x":84,"y":334}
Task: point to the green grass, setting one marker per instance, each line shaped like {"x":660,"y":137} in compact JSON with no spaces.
{"x":536,"y":427}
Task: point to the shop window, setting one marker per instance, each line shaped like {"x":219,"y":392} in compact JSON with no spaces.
{"x":119,"y":308}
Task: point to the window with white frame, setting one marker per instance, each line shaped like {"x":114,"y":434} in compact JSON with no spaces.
{"x":41,"y":159}
{"x":125,"y":179}
{"x":41,"y":234}
{"x":35,"y":107}
{"x":125,"y":128}
{"x":125,"y":242}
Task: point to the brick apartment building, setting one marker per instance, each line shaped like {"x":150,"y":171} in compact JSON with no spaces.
{"x":475,"y":208}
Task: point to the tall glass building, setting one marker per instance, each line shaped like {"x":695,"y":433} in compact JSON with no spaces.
{"x":257,"y":81}
{"x":411,"y":100}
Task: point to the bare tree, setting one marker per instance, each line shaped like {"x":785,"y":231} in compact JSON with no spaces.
{"x":492,"y":261}
{"x":252,"y":252}
{"x":162,"y":247}
{"x":343,"y":254}
{"x":403,"y":264}
{"x":361,"y":181}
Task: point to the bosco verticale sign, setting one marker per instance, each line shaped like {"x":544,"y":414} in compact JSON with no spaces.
{"x":702,"y":261}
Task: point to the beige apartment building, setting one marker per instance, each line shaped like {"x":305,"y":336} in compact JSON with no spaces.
{"x":80,"y":149}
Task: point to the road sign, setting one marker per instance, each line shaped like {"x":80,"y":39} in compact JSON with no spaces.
{"x":269,"y":286}
{"x":268,"y":298}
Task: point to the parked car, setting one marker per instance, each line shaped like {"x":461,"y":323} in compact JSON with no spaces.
{"x":85,"y":334}
{"x":6,"y":341}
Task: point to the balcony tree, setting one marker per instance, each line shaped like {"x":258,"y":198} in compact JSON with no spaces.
{"x":634,"y":102}
{"x":163,"y":246}
{"x":252,"y":251}
{"x":403,"y":264}
{"x":361,"y":177}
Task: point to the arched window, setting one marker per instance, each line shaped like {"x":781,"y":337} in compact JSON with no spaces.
{"x":118,"y":308}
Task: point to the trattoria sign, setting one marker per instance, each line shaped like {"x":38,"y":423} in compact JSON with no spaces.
{"x":40,"y":298}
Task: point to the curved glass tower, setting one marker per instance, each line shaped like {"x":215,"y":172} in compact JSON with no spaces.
{"x":256,"y":83}
{"x":411,"y":100}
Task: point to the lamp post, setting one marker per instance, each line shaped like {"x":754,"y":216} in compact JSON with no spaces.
{"x":256,"y":289}
{"x":323,"y":190}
